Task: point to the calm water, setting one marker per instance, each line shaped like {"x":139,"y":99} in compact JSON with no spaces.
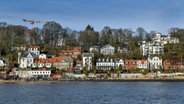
{"x":92,"y":93}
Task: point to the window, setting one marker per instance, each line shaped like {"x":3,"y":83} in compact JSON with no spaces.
{"x":133,"y":62}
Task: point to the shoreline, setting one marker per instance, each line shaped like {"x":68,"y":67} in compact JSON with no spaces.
{"x":95,"y":80}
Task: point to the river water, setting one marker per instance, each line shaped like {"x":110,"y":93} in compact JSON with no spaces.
{"x":80,"y":92}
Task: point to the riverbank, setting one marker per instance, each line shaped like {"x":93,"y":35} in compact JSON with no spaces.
{"x":128,"y":79}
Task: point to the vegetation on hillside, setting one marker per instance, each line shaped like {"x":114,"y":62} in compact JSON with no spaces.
{"x":53,"y":33}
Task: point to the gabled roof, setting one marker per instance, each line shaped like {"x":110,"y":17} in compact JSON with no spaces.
{"x":29,"y":53}
{"x":106,"y":46}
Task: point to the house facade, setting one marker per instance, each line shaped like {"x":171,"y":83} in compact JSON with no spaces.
{"x":105,"y":64}
{"x":34,"y":49}
{"x":142,"y":64}
{"x":42,"y":56}
{"x":165,"y":39}
{"x":87,"y":60}
{"x":66,"y":63}
{"x":34,"y":73}
{"x":156,"y":46}
{"x":154,"y":62}
{"x":130,"y":64}
{"x":26,"y":59}
{"x":107,"y":49}
{"x":173,"y":64}
{"x":95,"y":48}
{"x":73,"y":52}
{"x":119,"y":62}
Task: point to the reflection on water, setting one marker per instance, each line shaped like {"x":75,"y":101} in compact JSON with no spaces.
{"x":92,"y":93}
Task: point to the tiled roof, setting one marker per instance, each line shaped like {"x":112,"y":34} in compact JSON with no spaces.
{"x":49,"y":60}
{"x":142,"y":61}
{"x":35,"y":47}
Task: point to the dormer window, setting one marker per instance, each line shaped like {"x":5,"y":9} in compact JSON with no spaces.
{"x":103,"y":60}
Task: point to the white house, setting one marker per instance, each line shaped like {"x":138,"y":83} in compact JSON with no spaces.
{"x":142,"y":64}
{"x":107,"y":49}
{"x":42,"y":56}
{"x":119,"y":62}
{"x":156,"y":46}
{"x":95,"y":48}
{"x":34,"y":49}
{"x":149,"y":48}
{"x":87,"y":60}
{"x":26,"y":59}
{"x":34,"y":73}
{"x":154,"y":62}
{"x":105,"y":64}
{"x":2,"y":64}
{"x":165,"y":39}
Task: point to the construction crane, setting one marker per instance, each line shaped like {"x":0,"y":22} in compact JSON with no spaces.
{"x":33,"y":21}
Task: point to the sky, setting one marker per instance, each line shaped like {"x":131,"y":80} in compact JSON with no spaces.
{"x":157,"y":15}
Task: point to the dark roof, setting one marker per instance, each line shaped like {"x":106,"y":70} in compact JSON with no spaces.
{"x":105,"y":60}
{"x":27,"y":53}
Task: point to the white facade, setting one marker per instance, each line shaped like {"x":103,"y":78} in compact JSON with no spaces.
{"x":42,"y":56}
{"x":87,"y":60}
{"x":26,"y":60}
{"x":165,"y":39}
{"x":142,"y":64}
{"x":119,"y":62}
{"x":2,"y":64}
{"x":154,"y":63}
{"x":95,"y":48}
{"x":149,"y":48}
{"x":31,"y":74}
{"x":35,"y":50}
{"x":107,"y":49}
{"x":105,"y":64}
{"x":156,"y":46}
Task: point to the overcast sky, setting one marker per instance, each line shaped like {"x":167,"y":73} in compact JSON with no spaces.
{"x":158,"y":15}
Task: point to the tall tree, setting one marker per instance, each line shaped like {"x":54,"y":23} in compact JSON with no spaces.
{"x":177,"y":32}
{"x":51,"y":31}
{"x":141,"y":33}
{"x":89,"y":37}
{"x":35,"y":36}
{"x":106,"y":35}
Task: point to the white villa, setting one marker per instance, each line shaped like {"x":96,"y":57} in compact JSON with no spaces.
{"x":26,"y":59}
{"x":154,"y":62}
{"x":156,"y":46}
{"x":119,"y":62}
{"x":34,"y":49}
{"x":87,"y":60}
{"x":108,"y":63}
{"x":107,"y":49}
{"x":105,"y":64}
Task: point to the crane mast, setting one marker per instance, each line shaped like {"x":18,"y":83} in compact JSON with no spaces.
{"x":32,"y":22}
